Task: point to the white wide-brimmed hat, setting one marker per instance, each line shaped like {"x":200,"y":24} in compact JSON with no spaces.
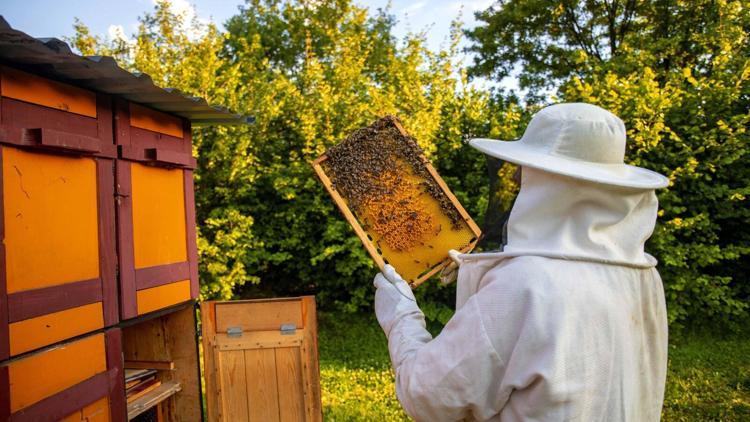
{"x":577,"y":140}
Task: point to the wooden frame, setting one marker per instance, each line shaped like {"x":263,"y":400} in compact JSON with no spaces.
{"x":168,"y":336}
{"x":362,"y":234}
{"x":150,"y":143}
{"x":256,"y":318}
{"x":104,"y":384}
{"x":23,"y":306}
{"x":133,"y":280}
{"x":33,"y":120}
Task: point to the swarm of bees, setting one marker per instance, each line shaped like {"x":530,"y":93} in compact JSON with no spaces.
{"x":381,"y":173}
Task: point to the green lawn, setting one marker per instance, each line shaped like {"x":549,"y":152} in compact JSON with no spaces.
{"x":709,"y":378}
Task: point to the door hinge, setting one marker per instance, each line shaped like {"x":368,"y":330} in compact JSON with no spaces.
{"x":288,"y":329}
{"x":234,"y":332}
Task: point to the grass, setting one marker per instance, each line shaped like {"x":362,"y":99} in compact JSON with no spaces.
{"x":708,"y":379}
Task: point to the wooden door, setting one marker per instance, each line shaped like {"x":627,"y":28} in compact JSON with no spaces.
{"x":261,"y":360}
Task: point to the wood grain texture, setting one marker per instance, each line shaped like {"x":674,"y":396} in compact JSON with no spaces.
{"x":234,"y":406}
{"x":289,"y":377}
{"x":210,"y":360}
{"x":262,"y":393}
{"x":105,"y":170}
{"x":310,"y":365}
{"x":116,"y":376}
{"x":293,"y":393}
{"x":191,"y":237}
{"x":4,"y":339}
{"x":260,"y":315}
{"x":125,"y":254}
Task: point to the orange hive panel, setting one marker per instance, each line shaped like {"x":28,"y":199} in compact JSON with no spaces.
{"x":399,"y":206}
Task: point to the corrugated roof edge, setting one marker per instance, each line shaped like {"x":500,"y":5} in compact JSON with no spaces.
{"x":54,"y":58}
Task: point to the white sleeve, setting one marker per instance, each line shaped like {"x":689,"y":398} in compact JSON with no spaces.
{"x":457,"y":374}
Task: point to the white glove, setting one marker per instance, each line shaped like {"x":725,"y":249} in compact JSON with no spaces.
{"x":393,"y":299}
{"x":449,"y":274}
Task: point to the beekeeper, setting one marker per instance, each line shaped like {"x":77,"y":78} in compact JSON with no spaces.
{"x":568,"y":321}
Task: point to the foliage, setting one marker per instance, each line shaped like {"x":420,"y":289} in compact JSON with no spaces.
{"x":310,"y":73}
{"x":708,"y":378}
{"x":678,"y":73}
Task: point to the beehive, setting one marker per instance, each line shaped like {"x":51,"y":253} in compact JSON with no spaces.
{"x":396,"y":202}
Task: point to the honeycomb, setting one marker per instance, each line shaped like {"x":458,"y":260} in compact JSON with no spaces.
{"x":381,"y":176}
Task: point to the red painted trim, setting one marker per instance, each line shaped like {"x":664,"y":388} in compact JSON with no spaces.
{"x":157,"y":156}
{"x":116,"y":379}
{"x":105,"y":120}
{"x":33,"y":303}
{"x":161,"y":274}
{"x":126,"y":258}
{"x":75,"y":132}
{"x":107,"y":238}
{"x":63,"y":141}
{"x":4,"y":393}
{"x":65,"y":402}
{"x":4,"y":336}
{"x":192,"y":245}
{"x":122,"y":122}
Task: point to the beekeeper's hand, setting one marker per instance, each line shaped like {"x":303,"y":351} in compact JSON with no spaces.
{"x":449,"y":274}
{"x":393,"y":299}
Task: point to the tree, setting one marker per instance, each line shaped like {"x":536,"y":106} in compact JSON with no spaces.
{"x":677,"y":72}
{"x":310,"y":73}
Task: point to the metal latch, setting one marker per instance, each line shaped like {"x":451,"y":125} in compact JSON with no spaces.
{"x":234,"y":332}
{"x":288,"y":329}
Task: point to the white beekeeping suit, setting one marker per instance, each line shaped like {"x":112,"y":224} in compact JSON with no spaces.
{"x":568,"y":322}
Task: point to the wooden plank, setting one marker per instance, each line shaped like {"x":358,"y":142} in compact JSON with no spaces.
{"x":162,"y":296}
{"x":155,"y":121}
{"x":289,"y":379}
{"x":192,"y":240}
{"x":153,"y":398}
{"x":51,"y":220}
{"x":44,"y":330}
{"x":259,"y":340}
{"x":4,"y":338}
{"x":149,"y":364}
{"x":310,"y":368}
{"x":97,"y":411}
{"x":143,"y":392}
{"x":38,"y":302}
{"x":181,"y":341}
{"x":49,"y":372}
{"x":159,"y":229}
{"x":213,"y":391}
{"x":261,"y":315}
{"x":45,"y":92}
{"x":107,"y":238}
{"x":161,"y":274}
{"x":66,"y":402}
{"x":233,"y":386}
{"x":262,"y":394}
{"x":125,"y":254}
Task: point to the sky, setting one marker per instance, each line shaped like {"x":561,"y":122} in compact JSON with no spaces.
{"x":116,"y":18}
